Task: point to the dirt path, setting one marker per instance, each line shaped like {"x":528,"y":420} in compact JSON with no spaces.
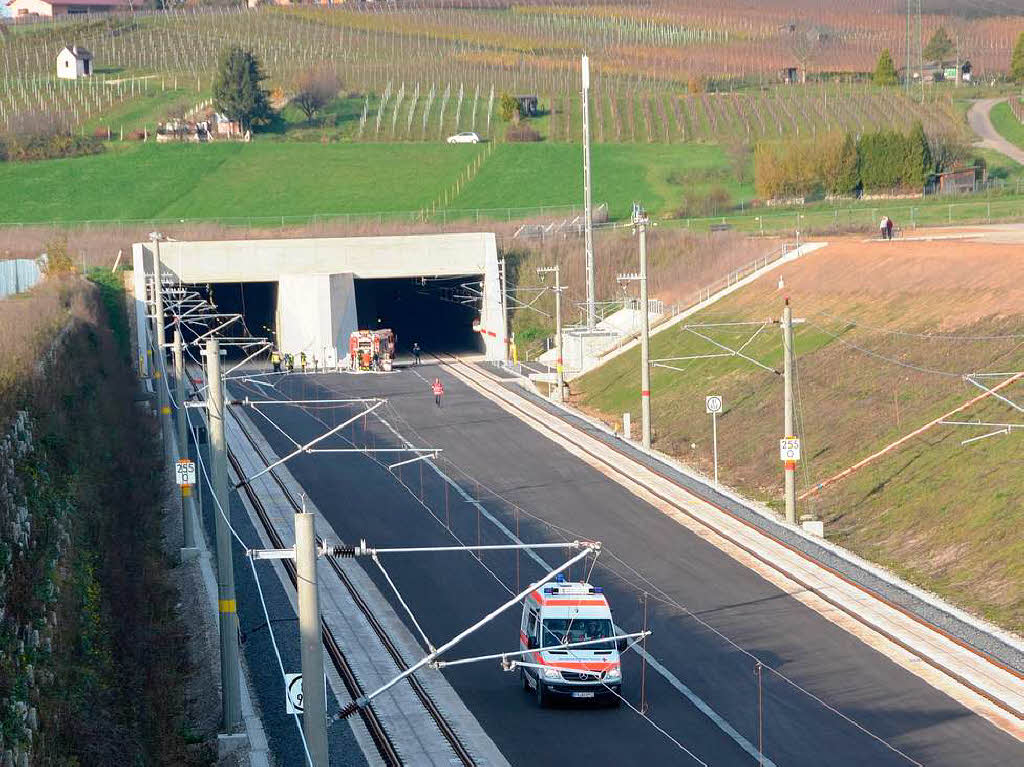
{"x":981,"y":124}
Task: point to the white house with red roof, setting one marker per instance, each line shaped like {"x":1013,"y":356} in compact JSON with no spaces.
{"x":17,"y":8}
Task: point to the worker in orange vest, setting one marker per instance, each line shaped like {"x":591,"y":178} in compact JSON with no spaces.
{"x":438,"y":388}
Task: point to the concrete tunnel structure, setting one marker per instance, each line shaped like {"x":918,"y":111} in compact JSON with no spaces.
{"x":317,"y":281}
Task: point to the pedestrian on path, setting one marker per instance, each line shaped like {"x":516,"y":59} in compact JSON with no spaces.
{"x":438,"y":389}
{"x":888,"y":228}
{"x":416,"y":351}
{"x":883,"y":228}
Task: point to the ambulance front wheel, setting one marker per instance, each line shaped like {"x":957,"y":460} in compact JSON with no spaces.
{"x":542,"y":695}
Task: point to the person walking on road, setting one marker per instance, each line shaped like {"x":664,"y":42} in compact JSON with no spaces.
{"x":302,"y":361}
{"x":438,"y":389}
{"x":883,"y":228}
{"x":888,"y":228}
{"x":416,"y":351}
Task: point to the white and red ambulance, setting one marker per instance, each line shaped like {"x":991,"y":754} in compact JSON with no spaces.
{"x":561,"y":613}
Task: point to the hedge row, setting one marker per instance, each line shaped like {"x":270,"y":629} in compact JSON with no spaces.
{"x":20,"y":148}
{"x":838,"y":164}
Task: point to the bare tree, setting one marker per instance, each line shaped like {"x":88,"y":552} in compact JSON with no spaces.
{"x":314,"y":89}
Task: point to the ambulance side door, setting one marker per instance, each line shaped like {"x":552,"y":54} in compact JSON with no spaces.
{"x":528,"y":631}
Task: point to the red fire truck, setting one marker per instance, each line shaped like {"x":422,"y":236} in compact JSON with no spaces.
{"x":371,"y":349}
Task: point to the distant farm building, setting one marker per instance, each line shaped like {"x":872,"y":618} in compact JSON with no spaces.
{"x":74,"y":62}
{"x":64,"y":7}
{"x":226,"y":126}
{"x":957,"y":181}
{"x":527,"y":105}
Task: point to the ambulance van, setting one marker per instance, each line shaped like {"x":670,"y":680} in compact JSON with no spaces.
{"x":561,"y":613}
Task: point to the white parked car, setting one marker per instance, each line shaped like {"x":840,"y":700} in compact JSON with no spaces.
{"x":464,"y":138}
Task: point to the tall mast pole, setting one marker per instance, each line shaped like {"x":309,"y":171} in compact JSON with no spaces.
{"x":588,"y":231}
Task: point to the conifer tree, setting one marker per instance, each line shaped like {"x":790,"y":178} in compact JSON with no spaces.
{"x":1017,"y":62}
{"x":237,"y":89}
{"x":940,"y":47}
{"x":885,"y":70}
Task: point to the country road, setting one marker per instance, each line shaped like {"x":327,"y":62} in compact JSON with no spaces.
{"x":981,"y":124}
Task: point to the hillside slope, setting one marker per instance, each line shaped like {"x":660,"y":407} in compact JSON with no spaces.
{"x":891,"y":328}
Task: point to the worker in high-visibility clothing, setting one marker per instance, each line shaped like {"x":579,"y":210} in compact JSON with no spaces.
{"x":302,"y":361}
{"x":438,"y":389}
{"x":275,"y":360}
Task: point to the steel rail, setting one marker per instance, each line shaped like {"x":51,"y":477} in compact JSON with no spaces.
{"x":355,"y":689}
{"x":378,"y":733}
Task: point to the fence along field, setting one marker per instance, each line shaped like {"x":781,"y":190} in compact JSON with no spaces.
{"x":423,"y":69}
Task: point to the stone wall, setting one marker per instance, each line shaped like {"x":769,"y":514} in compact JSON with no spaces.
{"x":33,"y":536}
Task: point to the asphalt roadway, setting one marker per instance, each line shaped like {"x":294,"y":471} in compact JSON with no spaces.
{"x":702,"y":694}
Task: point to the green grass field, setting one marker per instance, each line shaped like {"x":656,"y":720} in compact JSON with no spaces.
{"x":267,"y":178}
{"x":230,"y":179}
{"x":525,"y":175}
{"x":272,"y":178}
{"x":1007,"y":124}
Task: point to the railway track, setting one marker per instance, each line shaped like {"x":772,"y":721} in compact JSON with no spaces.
{"x":378,"y":732}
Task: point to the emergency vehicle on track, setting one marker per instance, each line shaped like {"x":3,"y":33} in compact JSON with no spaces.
{"x":371,"y":349}
{"x":561,"y":613}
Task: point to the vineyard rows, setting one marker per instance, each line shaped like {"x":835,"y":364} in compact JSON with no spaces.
{"x":67,"y":103}
{"x":534,"y":48}
{"x":425,"y":68}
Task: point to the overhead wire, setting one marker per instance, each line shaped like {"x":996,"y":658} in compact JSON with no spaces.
{"x":884,"y":358}
{"x":493,"y":574}
{"x":927,"y":336}
{"x":668,"y":600}
{"x":277,"y":653}
{"x":259,"y":587}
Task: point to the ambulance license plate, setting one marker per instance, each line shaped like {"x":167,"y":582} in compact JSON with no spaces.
{"x":583,"y":695}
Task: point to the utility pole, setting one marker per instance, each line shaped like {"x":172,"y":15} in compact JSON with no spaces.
{"x":906,"y":50}
{"x":920,"y":50}
{"x":787,"y":347}
{"x":314,"y":703}
{"x":640,"y":217}
{"x":956,"y":76}
{"x":588,"y":214}
{"x":179,"y":393}
{"x":161,"y":337}
{"x":559,"y":365}
{"x":504,"y":306}
{"x":189,"y":534}
{"x":640,"y":222}
{"x":229,"y":671}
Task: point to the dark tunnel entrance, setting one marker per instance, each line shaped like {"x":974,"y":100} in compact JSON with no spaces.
{"x":426,"y":311}
{"x":255,"y":301}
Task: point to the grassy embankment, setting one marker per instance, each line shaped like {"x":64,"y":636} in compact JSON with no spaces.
{"x":943,"y":515}
{"x":1009,"y":127}
{"x":103,"y":597}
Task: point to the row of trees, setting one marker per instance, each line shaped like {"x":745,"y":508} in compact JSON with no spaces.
{"x":941,"y":48}
{"x":839,"y":164}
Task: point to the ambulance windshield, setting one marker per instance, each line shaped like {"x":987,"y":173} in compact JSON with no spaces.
{"x":570,"y":630}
